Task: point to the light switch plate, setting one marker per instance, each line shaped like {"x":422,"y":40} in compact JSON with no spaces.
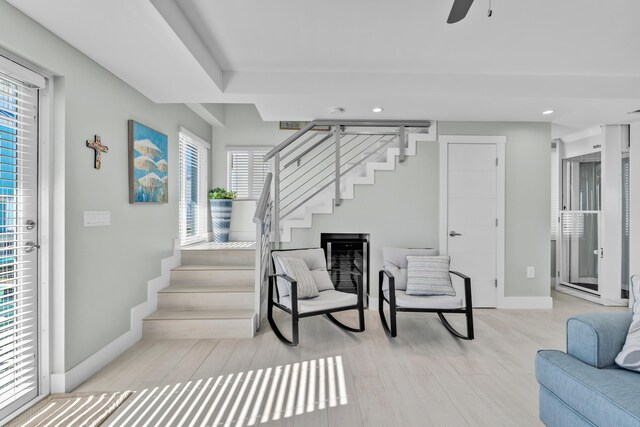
{"x":97,"y":218}
{"x":531,"y":272}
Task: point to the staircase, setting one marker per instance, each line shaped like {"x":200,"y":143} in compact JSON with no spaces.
{"x":220,"y":292}
{"x":314,"y":171}
{"x":211,"y":295}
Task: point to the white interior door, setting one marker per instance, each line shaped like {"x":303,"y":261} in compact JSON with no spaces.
{"x":472,"y":217}
{"x":18,"y":243}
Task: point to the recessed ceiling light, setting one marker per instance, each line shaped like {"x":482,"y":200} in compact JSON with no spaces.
{"x":634,"y":112}
{"x":377,"y":109}
{"x":547,"y":112}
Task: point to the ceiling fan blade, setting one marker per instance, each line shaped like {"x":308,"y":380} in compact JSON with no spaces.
{"x":459,"y":10}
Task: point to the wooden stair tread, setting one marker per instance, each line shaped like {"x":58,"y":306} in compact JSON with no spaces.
{"x":200,"y":314}
{"x":246,"y":286}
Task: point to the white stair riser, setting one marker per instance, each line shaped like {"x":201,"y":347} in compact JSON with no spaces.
{"x":211,"y":277}
{"x":205,"y":300}
{"x":197,"y":328}
{"x":219,"y":257}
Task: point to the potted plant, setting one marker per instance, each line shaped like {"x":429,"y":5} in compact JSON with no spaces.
{"x":221,"y":200}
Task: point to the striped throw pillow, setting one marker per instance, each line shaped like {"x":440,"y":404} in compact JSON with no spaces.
{"x":429,"y":275}
{"x":298,"y":270}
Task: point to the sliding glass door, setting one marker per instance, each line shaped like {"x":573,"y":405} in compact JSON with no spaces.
{"x":580,"y":223}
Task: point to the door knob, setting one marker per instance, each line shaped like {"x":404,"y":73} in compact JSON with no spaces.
{"x":454,"y":234}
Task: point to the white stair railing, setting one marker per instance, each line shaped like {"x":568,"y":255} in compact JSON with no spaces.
{"x":317,"y":158}
{"x":263,"y":221}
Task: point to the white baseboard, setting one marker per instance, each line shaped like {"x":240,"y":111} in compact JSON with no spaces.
{"x":373,"y":303}
{"x":64,"y":383}
{"x":525,"y":303}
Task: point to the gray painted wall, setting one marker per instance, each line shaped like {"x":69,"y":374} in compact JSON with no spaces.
{"x":107,"y":268}
{"x":528,"y":200}
{"x":243,"y":126}
{"x":402,"y":207}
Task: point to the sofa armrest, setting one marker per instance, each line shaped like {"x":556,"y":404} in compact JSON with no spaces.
{"x":597,"y":338}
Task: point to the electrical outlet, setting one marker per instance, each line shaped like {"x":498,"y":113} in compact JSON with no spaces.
{"x":531,"y":272}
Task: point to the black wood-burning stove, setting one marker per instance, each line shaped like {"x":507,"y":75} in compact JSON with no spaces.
{"x":347,"y":260}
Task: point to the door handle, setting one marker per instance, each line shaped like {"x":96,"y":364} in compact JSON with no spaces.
{"x":454,"y":234}
{"x":31,"y":246}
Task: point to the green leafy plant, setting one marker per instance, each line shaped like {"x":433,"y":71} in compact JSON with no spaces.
{"x":221,"y":193}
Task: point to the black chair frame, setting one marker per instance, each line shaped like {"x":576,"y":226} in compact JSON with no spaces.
{"x":293,"y":311}
{"x":391,"y":329}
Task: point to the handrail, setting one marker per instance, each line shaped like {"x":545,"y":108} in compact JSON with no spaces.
{"x":263,"y":201}
{"x":284,"y":144}
{"x":359,"y":123}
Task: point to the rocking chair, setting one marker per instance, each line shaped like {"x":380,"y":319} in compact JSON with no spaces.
{"x":283,"y":294}
{"x":392,"y":283}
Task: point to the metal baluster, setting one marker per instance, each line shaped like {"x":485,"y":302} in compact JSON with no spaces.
{"x":401,"y":139}
{"x":276,"y":199}
{"x":337,"y":136}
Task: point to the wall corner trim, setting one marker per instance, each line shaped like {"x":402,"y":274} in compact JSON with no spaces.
{"x":65,"y":382}
{"x":525,"y":303}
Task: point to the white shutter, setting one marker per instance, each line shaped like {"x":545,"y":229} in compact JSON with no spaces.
{"x":18,"y":268}
{"x":260,"y":170}
{"x":193,"y":201}
{"x":246,"y":171}
{"x":238,"y":173}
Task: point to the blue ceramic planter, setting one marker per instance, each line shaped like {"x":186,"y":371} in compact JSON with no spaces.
{"x":220,"y":219}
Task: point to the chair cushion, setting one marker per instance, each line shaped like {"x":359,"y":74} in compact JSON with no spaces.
{"x":315,"y":260}
{"x":605,"y":397}
{"x":327,"y":300}
{"x":395,"y":261}
{"x":297,"y":269}
{"x":429,"y":275}
{"x":629,"y":357}
{"x":444,"y":302}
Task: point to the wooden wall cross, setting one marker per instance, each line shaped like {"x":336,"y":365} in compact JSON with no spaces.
{"x":97,"y":146}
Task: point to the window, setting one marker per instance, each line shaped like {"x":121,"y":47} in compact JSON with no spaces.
{"x":193,"y":188}
{"x":246,"y":171}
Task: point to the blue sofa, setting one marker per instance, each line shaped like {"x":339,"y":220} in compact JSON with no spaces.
{"x":584,"y":387}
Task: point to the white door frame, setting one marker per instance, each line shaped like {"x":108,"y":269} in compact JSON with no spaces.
{"x":500,"y":142}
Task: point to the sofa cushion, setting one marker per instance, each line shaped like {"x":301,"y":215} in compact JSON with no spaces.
{"x":297,"y":269}
{"x":606,"y":396}
{"x":555,"y":413}
{"x":444,"y":302}
{"x":327,"y":300}
{"x":429,"y":275}
{"x":629,"y":357}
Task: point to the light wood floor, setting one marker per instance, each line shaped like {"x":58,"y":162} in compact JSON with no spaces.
{"x":423,"y":377}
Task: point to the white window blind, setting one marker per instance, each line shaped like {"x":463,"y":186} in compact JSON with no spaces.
{"x":555,"y":186}
{"x":246,"y":171}
{"x":18,"y":261}
{"x":193,"y":188}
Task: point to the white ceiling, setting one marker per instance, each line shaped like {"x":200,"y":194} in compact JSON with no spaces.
{"x":295,"y":59}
